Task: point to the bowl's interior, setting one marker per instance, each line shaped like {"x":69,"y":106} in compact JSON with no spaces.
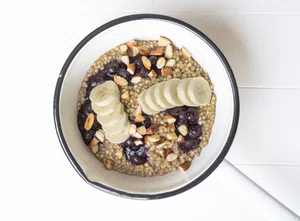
{"x":147,"y":29}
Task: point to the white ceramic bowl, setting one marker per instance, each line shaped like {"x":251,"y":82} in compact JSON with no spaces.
{"x":147,"y":27}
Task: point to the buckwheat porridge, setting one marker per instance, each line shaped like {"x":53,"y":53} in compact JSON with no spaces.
{"x":146,"y":108}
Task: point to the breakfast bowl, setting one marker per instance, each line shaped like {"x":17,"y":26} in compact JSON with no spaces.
{"x":119,"y":34}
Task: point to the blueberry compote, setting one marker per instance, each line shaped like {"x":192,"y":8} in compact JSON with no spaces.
{"x":188,"y":116}
{"x":136,"y":155}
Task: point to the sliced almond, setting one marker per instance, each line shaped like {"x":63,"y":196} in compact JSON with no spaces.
{"x":120,"y":81}
{"x":161,"y":143}
{"x":186,"y":53}
{"x":171,"y":157}
{"x":93,"y":142}
{"x":141,"y":130}
{"x":169,"y":52}
{"x":146,"y":62}
{"x":131,"y":43}
{"x":120,"y":153}
{"x":89,"y":121}
{"x":180,"y":138}
{"x":168,"y":151}
{"x":170,"y":119}
{"x":183,"y":130}
{"x":125,"y":59}
{"x":185,"y":166}
{"x":125,"y":95}
{"x":137,"y":135}
{"x":172,"y":136}
{"x":171,"y":127}
{"x":144,"y":50}
{"x":138,"y":111}
{"x":123,"y":48}
{"x":139,"y":118}
{"x":170,"y":63}
{"x":160,"y":62}
{"x":154,"y":138}
{"x":134,"y":51}
{"x":100,"y":135}
{"x":136,"y":79}
{"x":108,"y":163}
{"x":166,"y":71}
{"x":132,"y":129}
{"x":163,"y":41}
{"x":152,"y":129}
{"x":157,"y":51}
{"x":131,"y":68}
{"x":152,"y":74}
{"x":138,"y":142}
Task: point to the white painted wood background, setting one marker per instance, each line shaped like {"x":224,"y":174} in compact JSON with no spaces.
{"x":260,"y":40}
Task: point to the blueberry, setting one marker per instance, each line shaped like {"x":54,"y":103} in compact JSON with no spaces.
{"x":192,"y":114}
{"x":80,"y":122}
{"x":135,"y":148}
{"x":112,"y":67}
{"x":129,"y":143}
{"x":123,"y":65}
{"x":176,"y":111}
{"x":85,"y":108}
{"x":124,"y":73}
{"x":153,"y":60}
{"x":88,"y":136}
{"x":144,"y":72}
{"x":195,"y":131}
{"x":138,"y":160}
{"x":96,"y":126}
{"x":147,"y":121}
{"x":188,"y":145}
{"x":137,"y":60}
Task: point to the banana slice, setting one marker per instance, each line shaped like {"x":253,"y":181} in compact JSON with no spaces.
{"x":104,"y":94}
{"x":199,"y":91}
{"x":118,"y":138}
{"x":113,"y":118}
{"x":117,"y":128}
{"x":149,"y":97}
{"x":158,"y":91}
{"x":182,"y":91}
{"x":170,"y":92}
{"x":106,"y":110}
{"x":145,"y":107}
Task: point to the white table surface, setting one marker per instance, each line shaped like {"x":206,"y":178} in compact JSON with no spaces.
{"x":260,"y":40}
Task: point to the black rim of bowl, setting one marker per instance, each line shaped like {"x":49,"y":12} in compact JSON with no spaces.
{"x":204,"y":175}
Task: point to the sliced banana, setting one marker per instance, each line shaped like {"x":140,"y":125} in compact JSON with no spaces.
{"x":158,"y":91}
{"x":121,"y":125}
{"x":106,"y":110}
{"x":112,"y":118}
{"x":149,"y":97}
{"x":170,"y":92}
{"x":104,"y":94}
{"x":199,"y":91}
{"x":182,"y":91}
{"x":118,"y":138}
{"x":145,"y":107}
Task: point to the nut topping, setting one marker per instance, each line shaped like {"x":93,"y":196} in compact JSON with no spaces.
{"x":125,"y":95}
{"x":171,"y":127}
{"x":139,"y":118}
{"x":131,"y":68}
{"x":163,"y":41}
{"x":123,"y":48}
{"x":108,"y":164}
{"x":160,"y":62}
{"x":152,"y":74}
{"x":171,"y":157}
{"x":144,"y":50}
{"x":170,"y":63}
{"x":131,"y":43}
{"x":185,"y":166}
{"x":168,"y":151}
{"x":169,"y":52}
{"x":152,"y":129}
{"x":157,"y":51}
{"x":93,"y":142}
{"x":134,"y":51}
{"x":166,"y":71}
{"x":125,"y":59}
{"x":137,"y":135}
{"x":136,"y":79}
{"x":120,"y":81}
{"x":170,"y":119}
{"x":172,"y":136}
{"x":138,"y":142}
{"x":186,"y":53}
{"x":146,"y":62}
{"x":154,"y":138}
{"x":138,"y":111}
{"x":132,"y":129}
{"x":183,"y":130}
{"x":161,"y":143}
{"x":100,"y":135}
{"x":141,"y":130}
{"x":89,"y":121}
{"x":180,"y":138}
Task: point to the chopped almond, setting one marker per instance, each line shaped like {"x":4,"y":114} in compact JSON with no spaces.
{"x":131,"y":43}
{"x":180,"y":138}
{"x":171,"y":127}
{"x":169,"y":52}
{"x":171,"y":157}
{"x":157,"y":51}
{"x":93,"y":142}
{"x":120,"y":81}
{"x":160,"y":144}
{"x":137,"y":135}
{"x":160,"y":63}
{"x":152,"y":129}
{"x":138,"y":142}
{"x":166,"y":71}
{"x":170,"y":119}
{"x":144,"y":50}
{"x":123,"y":48}
{"x":125,"y":95}
{"x":139,"y":118}
{"x":152,"y":74}
{"x":170,"y":63}
{"x":136,"y":79}
{"x":183,"y":130}
{"x":146,"y":62}
{"x":186,"y":53}
{"x":141,"y":130}
{"x":132,"y":129}
{"x":131,"y":68}
{"x":185,"y":166}
{"x":163,"y":41}
{"x":172,"y":136}
{"x":100,"y":135}
{"x":138,"y":111}
{"x":154,"y":138}
{"x":134,"y":51}
{"x":125,"y":59}
{"x":168,"y":151}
